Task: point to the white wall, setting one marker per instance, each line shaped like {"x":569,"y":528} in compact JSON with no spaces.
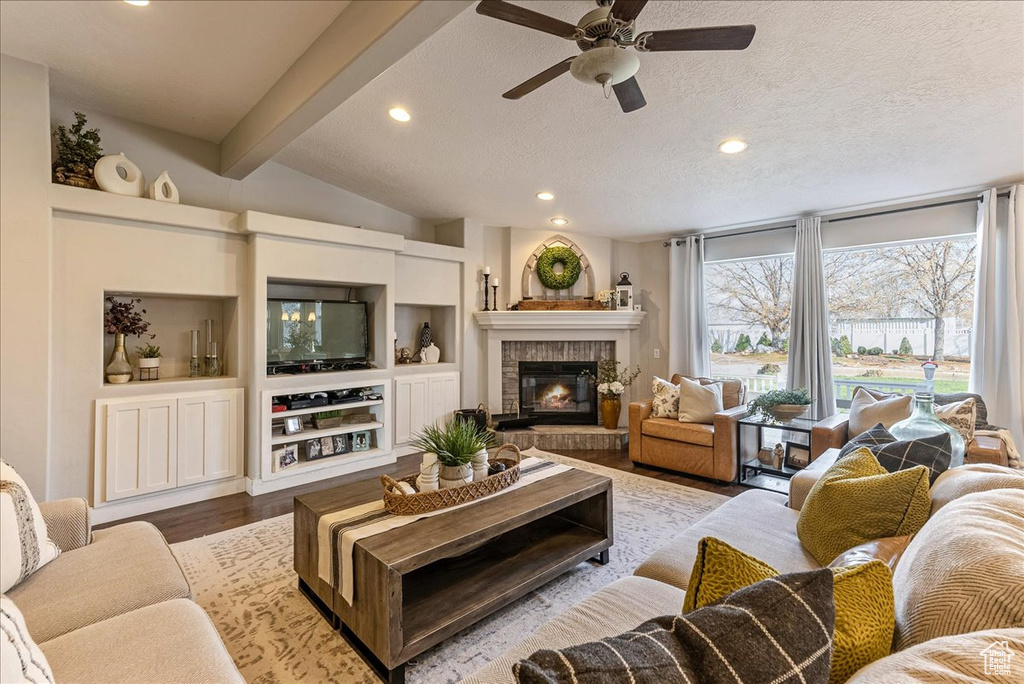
{"x":273,"y":188}
{"x":25,"y":243}
{"x":523,"y":242}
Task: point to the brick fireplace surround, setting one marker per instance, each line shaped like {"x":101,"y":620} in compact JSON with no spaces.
{"x":512,"y":352}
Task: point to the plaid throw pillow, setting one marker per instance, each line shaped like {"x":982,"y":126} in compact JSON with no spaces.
{"x":934,"y":453}
{"x":876,"y":436}
{"x":778,"y":630}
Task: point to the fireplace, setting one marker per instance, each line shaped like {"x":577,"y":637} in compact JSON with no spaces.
{"x":559,"y":392}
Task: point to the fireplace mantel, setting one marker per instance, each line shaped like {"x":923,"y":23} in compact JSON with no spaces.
{"x":559,"y":320}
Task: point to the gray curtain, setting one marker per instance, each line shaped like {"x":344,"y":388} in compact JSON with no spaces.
{"x":810,"y":350}
{"x":689,"y":351}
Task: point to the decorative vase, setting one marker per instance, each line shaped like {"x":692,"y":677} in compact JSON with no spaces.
{"x":429,"y":471}
{"x":426,"y":336}
{"x":164,"y":190}
{"x":149,"y":369}
{"x":430,"y":354}
{"x":611,"y":407}
{"x":119,"y":370}
{"x":924,"y":423}
{"x":108,"y":173}
{"x":455,"y":476}
{"x":480,"y":465}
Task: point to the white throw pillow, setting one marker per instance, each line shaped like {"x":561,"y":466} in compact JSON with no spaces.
{"x":699,"y":403}
{"x":21,"y":661}
{"x":666,"y":399}
{"x":24,"y":544}
{"x":960,"y":415}
{"x":866,"y":412}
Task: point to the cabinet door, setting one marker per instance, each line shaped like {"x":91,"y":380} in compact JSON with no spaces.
{"x":208,"y":437}
{"x":443,"y":396}
{"x":140,"y":454}
{"x":411,"y":407}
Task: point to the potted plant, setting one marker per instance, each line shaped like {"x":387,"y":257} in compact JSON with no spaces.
{"x":456,"y":442}
{"x":611,"y":384}
{"x":121,"y":319}
{"x":149,"y":357}
{"x":78,"y":150}
{"x":780,"y":404}
{"x":606,"y":297}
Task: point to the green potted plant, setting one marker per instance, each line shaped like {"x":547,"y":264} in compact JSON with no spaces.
{"x":78,"y":150}
{"x":456,"y":443}
{"x":149,"y":356}
{"x":780,"y":404}
{"x":121,"y":319}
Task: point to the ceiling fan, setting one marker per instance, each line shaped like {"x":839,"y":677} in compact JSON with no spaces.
{"x":603,"y":35}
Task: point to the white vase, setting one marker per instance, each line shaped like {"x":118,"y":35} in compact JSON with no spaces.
{"x":164,"y":190}
{"x":109,"y":178}
{"x":480,"y":465}
{"x":455,"y":476}
{"x":427,"y":481}
{"x":430,"y":354}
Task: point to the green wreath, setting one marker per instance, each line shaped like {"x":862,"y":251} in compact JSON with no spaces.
{"x":546,"y":268}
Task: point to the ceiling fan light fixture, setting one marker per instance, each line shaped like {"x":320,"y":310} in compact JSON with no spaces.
{"x":606,"y":65}
{"x":732,"y":146}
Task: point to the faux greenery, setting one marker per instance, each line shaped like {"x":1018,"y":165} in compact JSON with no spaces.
{"x":764,"y":403}
{"x":78,"y":149}
{"x":327,"y":415}
{"x":546,"y":268}
{"x":454,"y":442}
{"x":148,"y":351}
{"x":122,"y":318}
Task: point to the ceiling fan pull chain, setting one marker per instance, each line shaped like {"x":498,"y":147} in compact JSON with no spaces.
{"x":607,"y":88}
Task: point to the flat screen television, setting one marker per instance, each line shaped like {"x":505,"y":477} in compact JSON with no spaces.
{"x":302,"y":331}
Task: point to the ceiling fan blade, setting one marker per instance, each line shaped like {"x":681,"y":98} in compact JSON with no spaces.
{"x":627,"y":10}
{"x":505,"y":11}
{"x":708,"y":38}
{"x":629,"y":95}
{"x":529,"y":85}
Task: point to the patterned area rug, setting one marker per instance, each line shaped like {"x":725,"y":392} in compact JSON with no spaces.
{"x":244,"y":580}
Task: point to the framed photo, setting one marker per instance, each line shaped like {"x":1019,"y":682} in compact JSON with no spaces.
{"x":361,"y":440}
{"x":314,"y":449}
{"x":797,"y":455}
{"x":285,"y":457}
{"x":292,"y":425}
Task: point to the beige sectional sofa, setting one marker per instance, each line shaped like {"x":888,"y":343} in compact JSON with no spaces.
{"x":114,"y":606}
{"x":763,"y":524}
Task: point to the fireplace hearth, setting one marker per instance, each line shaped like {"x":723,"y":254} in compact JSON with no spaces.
{"x":559,"y":392}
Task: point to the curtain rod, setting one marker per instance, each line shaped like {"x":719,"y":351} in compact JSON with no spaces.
{"x":844,"y":218}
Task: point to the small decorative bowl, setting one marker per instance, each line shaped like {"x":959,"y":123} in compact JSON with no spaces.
{"x":785,"y":412}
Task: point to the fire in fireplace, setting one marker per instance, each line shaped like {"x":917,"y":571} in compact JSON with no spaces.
{"x":559,"y":392}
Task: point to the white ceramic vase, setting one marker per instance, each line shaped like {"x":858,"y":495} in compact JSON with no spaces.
{"x":455,"y":476}
{"x":164,"y":190}
{"x":427,"y":481}
{"x":480,"y":465}
{"x":108,"y":173}
{"x":430,"y":354}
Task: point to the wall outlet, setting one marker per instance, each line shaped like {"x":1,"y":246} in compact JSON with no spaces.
{"x":657,"y":353}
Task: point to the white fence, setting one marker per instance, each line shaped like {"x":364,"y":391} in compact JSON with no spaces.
{"x":759,"y":384}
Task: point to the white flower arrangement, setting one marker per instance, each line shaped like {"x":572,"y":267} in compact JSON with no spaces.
{"x":613,"y":388}
{"x":605,"y":296}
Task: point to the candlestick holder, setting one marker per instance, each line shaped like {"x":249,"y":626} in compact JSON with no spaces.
{"x":487,"y":277}
{"x":495,"y":288}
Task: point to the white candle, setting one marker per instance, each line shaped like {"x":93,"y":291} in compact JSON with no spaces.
{"x":487,"y":270}
{"x":495,"y":281}
{"x":429,"y":458}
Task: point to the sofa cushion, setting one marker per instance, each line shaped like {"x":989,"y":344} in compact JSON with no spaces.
{"x":24,"y":544}
{"x":867,"y":410}
{"x":699,"y":402}
{"x":125,"y":567}
{"x":960,"y":659}
{"x":778,"y":630}
{"x":888,"y":550}
{"x":665,"y":403}
{"x":975,"y":477}
{"x":671,"y":428}
{"x":959,"y":415}
{"x":857,"y":500}
{"x":719,"y":570}
{"x":964,"y":571}
{"x":617,"y":607}
{"x":733,"y":391}
{"x":743,"y":522}
{"x":172,"y":642}
{"x":21,"y":661}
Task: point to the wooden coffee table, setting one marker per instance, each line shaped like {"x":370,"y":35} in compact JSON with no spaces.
{"x":419,"y":584}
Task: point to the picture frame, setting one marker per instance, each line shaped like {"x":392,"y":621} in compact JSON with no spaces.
{"x":798,"y":456}
{"x":285,"y":457}
{"x":361,"y":440}
{"x":292,"y":425}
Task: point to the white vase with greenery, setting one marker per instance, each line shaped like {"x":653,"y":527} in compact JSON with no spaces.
{"x":456,"y":443}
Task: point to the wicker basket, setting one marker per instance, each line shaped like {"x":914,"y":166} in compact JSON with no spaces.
{"x":425,"y":502}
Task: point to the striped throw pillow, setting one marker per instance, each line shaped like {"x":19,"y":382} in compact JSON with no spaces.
{"x":24,"y":544}
{"x":21,"y":661}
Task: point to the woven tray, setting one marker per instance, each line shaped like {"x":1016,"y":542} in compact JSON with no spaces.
{"x":426,"y":502}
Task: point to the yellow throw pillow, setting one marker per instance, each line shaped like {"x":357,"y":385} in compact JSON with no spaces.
{"x":857,"y":500}
{"x":863,"y":598}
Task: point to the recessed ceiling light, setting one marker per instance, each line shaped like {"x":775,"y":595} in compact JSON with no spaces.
{"x":733,"y":146}
{"x":546,"y":196}
{"x":559,"y":221}
{"x":137,"y":3}
{"x":399,"y":114}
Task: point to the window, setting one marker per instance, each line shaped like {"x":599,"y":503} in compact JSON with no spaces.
{"x":748,"y":319}
{"x":893,"y":307}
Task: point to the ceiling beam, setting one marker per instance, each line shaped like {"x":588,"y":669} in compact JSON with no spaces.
{"x":363,"y":41}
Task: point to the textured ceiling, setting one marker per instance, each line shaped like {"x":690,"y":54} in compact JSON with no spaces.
{"x":190,"y":67}
{"x":843,"y":103}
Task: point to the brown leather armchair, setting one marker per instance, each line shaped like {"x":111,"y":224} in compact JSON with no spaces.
{"x":692,"y":448}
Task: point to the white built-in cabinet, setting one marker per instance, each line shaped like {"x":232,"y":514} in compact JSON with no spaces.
{"x":423,"y":399}
{"x":157,"y":443}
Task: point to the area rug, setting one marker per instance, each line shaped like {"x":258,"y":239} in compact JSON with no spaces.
{"x":244,"y":580}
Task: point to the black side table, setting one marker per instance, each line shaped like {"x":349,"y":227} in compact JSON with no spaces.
{"x":793,"y":434}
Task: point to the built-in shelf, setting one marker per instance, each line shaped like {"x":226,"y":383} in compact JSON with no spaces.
{"x":329,"y":407}
{"x":419,"y":368}
{"x":559,"y":320}
{"x":178,"y":384}
{"x":326,"y":432}
{"x":351,"y":458}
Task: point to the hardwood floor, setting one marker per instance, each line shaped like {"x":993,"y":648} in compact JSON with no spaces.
{"x":208,"y":517}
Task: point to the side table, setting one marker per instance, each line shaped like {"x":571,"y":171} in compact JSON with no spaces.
{"x":757,"y":432}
